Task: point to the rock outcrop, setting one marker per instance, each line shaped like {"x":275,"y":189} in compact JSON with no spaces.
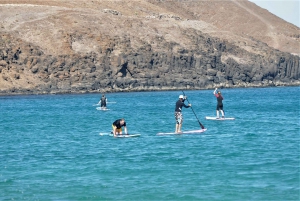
{"x":110,"y":46}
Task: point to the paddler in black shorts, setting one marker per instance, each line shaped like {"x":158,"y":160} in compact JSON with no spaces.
{"x":178,"y":114}
{"x":103,"y":101}
{"x":220,"y":103}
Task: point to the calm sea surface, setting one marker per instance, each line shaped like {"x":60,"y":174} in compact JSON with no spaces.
{"x":50,"y":147}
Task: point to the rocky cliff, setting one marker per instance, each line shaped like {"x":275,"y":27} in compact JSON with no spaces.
{"x":78,"y":46}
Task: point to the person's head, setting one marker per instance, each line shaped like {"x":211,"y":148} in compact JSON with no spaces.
{"x":103,"y":95}
{"x":219,"y":92}
{"x":122,"y":121}
{"x":181,"y":97}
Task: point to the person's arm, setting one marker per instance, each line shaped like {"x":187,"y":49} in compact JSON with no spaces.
{"x":215,"y":91}
{"x":186,"y":106}
{"x":114,"y":131}
{"x":125,"y":130}
{"x":215,"y":94}
{"x":115,"y":128}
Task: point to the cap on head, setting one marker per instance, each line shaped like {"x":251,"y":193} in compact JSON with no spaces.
{"x":181,"y":96}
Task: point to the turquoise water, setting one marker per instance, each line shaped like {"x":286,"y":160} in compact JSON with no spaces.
{"x":50,"y":147}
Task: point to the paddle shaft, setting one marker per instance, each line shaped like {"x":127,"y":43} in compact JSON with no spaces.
{"x":194,"y":112}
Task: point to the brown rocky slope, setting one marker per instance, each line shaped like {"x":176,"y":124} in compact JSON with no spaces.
{"x":89,"y":46}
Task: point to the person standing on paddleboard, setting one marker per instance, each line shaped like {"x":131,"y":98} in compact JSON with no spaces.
{"x":103,"y":101}
{"x":220,"y":103}
{"x":178,"y":113}
{"x":117,"y":127}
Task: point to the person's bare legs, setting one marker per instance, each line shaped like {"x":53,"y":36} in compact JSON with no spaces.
{"x":222,"y":112}
{"x":179,"y":128}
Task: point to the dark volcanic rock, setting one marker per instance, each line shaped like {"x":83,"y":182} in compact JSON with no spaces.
{"x":62,"y":49}
{"x":142,"y":69}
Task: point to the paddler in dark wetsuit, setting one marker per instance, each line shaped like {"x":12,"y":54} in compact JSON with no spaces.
{"x":178,"y":114}
{"x":117,"y":127}
{"x":220,"y":103}
{"x":103,"y":101}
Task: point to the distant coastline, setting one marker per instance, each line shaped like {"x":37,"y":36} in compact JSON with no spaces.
{"x":151,"y":89}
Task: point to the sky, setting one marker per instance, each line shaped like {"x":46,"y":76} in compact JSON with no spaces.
{"x":285,"y":9}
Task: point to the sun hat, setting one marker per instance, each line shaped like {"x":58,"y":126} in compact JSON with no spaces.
{"x":181,"y":96}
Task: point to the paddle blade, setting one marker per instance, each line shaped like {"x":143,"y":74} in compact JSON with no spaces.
{"x":201,"y":125}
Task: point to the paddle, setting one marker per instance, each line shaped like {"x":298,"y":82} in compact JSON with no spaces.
{"x":194,"y":112}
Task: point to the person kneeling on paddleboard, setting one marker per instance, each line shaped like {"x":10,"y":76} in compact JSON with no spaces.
{"x":117,"y":127}
{"x":178,"y":114}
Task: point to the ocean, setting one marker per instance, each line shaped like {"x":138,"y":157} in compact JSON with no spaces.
{"x":51,"y":147}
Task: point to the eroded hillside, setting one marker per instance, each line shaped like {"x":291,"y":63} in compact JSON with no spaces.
{"x":89,"y":46}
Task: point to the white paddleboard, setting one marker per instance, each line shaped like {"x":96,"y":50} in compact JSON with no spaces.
{"x":125,"y":136}
{"x":98,"y":104}
{"x":120,"y":136}
{"x":104,"y":134}
{"x":103,"y":109}
{"x":219,"y":119}
{"x":185,"y":132}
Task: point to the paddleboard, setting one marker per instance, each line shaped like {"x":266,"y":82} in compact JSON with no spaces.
{"x":103,"y":109}
{"x":219,"y":119}
{"x":121,"y":136}
{"x":125,"y":136}
{"x":104,"y":134}
{"x":185,"y":132}
{"x":98,"y":104}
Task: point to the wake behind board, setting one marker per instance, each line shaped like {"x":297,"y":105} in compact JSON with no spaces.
{"x":219,"y":119}
{"x":185,"y":132}
{"x":103,"y":109}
